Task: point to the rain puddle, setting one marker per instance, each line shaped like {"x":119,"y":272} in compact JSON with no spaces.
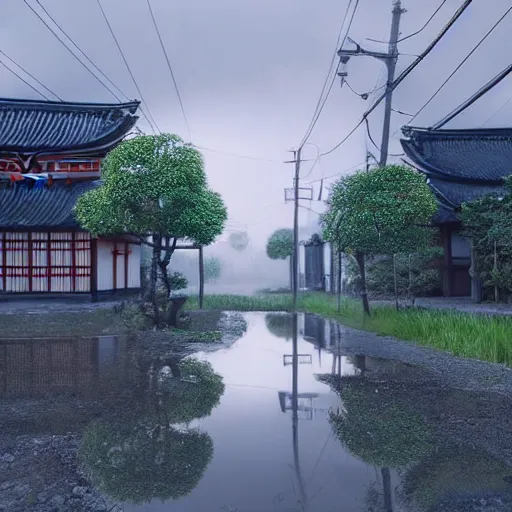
{"x":286,"y":419}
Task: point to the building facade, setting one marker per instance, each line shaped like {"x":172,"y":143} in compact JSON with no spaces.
{"x":50,"y":154}
{"x":460,"y":166}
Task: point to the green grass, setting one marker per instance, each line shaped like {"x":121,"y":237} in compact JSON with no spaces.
{"x":463,"y":334}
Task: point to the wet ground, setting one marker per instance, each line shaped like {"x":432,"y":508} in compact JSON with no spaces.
{"x":282,"y":416}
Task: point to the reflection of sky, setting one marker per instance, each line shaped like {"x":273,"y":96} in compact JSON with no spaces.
{"x":252,"y":469}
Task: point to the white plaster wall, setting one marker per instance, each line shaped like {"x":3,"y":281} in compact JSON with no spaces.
{"x":105,"y":277}
{"x":134,"y":266}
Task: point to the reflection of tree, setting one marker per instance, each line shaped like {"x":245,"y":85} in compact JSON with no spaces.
{"x":381,"y":432}
{"x":146,"y":461}
{"x":452,"y":472}
{"x":280,"y":324}
{"x":141,"y":452}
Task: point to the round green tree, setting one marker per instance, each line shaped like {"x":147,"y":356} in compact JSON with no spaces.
{"x":239,"y":240}
{"x":154,"y":187}
{"x":212,"y":269}
{"x":383,"y":211}
{"x":280,"y":244}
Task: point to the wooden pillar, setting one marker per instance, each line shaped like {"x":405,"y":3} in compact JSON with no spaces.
{"x":94,"y":269}
{"x":114,"y":267}
{"x":73,"y":261}
{"x":30,"y":246}
{"x":201,"y":278}
{"x":4,"y":260}
{"x":448,"y":261}
{"x":126,"y":263}
{"x":476,"y":282}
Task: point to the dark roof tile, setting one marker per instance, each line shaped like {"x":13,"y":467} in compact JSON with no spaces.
{"x":22,"y":207}
{"x":48,"y":127}
{"x":462,"y":155}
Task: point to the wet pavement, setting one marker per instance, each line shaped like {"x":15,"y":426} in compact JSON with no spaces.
{"x":298,"y":415}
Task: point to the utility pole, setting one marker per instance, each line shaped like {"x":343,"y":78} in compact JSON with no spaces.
{"x":389,"y":58}
{"x":295,"y":263}
{"x":391,"y":65}
{"x":295,"y":253}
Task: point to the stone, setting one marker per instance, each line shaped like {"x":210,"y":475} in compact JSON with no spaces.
{"x":43,"y":497}
{"x":57,"y":500}
{"x":8,"y":457}
{"x":80,"y":491}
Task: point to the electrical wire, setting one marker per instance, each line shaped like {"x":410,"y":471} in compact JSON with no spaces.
{"x":414,"y":33}
{"x":31,"y":75}
{"x":150,"y":119}
{"x":170,"y":68}
{"x":373,"y":142}
{"x":468,"y":56}
{"x":498,"y":111}
{"x":337,"y":174}
{"x":2,"y":63}
{"x":323,"y":95}
{"x":406,"y":72}
{"x":81,"y":51}
{"x":96,"y":77}
{"x":235,"y":155}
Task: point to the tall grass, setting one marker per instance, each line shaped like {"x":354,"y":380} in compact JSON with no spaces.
{"x":475,"y":336}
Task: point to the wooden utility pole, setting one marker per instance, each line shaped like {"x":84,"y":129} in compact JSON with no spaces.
{"x":391,"y":65}
{"x":389,"y":58}
{"x":201,"y":277}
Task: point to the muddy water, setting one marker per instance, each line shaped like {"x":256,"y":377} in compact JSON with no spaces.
{"x":288,"y":418}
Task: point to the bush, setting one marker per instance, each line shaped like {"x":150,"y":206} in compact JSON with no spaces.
{"x":424,"y":272}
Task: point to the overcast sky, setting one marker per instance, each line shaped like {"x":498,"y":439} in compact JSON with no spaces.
{"x":250,"y":72}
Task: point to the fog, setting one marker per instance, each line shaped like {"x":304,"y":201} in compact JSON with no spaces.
{"x":250,"y":73}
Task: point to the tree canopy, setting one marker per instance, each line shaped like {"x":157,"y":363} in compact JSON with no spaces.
{"x":212,"y":269}
{"x":381,"y":211}
{"x":239,"y":240}
{"x":488,"y":222}
{"x":154,"y":185}
{"x":280,"y":244}
{"x":377,"y":212}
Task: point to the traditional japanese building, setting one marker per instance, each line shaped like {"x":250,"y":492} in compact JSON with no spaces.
{"x":461,"y":166}
{"x":50,"y":154}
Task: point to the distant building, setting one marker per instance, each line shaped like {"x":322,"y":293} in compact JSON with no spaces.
{"x":50,"y":154}
{"x":461,"y":166}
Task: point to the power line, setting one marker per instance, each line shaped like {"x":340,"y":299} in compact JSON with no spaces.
{"x":337,"y":174}
{"x":96,"y":77}
{"x":31,"y":75}
{"x":170,"y":68}
{"x":149,"y":119}
{"x":450,"y":76}
{"x":483,"y":90}
{"x":406,"y":72}
{"x":82,"y":52}
{"x":235,"y":155}
{"x":24,"y":81}
{"x":323,"y":97}
{"x":371,"y":138}
{"x":414,"y":33}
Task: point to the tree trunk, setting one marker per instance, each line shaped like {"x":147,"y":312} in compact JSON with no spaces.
{"x":386,"y":483}
{"x":395,"y":285}
{"x":362,"y":270}
{"x":153,"y":278}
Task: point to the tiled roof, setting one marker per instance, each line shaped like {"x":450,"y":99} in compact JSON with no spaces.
{"x":454,"y":194}
{"x":22,"y":207}
{"x":48,"y":127}
{"x":463,"y":155}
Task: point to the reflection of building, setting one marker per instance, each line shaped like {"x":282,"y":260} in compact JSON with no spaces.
{"x":37,"y":367}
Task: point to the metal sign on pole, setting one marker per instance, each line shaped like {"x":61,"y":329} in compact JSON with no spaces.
{"x":305,"y":193}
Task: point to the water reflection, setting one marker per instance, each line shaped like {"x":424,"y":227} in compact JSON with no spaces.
{"x":291,"y":417}
{"x":147,"y":451}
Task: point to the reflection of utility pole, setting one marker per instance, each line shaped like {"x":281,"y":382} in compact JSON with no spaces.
{"x":386,"y":484}
{"x":295,"y":415}
{"x":389,"y":58}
